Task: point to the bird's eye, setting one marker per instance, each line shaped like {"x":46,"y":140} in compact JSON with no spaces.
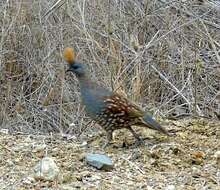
{"x":75,"y":66}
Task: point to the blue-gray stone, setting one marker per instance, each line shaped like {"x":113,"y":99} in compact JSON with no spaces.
{"x":99,"y":161}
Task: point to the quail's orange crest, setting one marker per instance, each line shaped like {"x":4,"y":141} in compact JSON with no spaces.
{"x":69,"y":55}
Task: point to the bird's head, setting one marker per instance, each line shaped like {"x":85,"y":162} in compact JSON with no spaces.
{"x":77,"y":68}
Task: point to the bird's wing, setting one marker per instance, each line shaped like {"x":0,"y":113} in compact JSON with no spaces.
{"x":134,"y":110}
{"x":119,"y":104}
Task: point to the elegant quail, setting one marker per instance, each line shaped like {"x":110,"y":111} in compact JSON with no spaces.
{"x":109,"y":109}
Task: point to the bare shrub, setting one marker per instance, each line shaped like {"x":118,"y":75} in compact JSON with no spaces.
{"x":162,"y":54}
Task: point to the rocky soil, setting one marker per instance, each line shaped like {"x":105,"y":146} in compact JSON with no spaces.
{"x":188,"y":160}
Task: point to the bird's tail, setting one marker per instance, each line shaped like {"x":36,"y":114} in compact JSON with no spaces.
{"x":151,"y":123}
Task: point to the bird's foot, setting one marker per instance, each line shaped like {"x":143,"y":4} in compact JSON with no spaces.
{"x":109,"y":139}
{"x":136,"y":144}
{"x":139,"y":142}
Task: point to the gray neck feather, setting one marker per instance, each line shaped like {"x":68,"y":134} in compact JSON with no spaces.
{"x":84,"y":81}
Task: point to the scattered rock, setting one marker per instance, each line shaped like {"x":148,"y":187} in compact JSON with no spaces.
{"x":4,"y":131}
{"x":46,"y":169}
{"x":84,"y":143}
{"x":170,"y":187}
{"x":149,"y":188}
{"x":28,"y":180}
{"x":39,"y":147}
{"x":99,"y":161}
{"x":69,"y":137}
{"x":196,"y":172}
{"x":217,"y":155}
{"x":67,"y":187}
{"x":72,"y":125}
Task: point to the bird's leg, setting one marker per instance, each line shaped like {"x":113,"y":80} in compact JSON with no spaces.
{"x":138,"y":139}
{"x":109,"y":138}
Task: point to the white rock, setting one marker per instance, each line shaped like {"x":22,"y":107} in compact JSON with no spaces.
{"x":195,"y":171}
{"x":39,"y":147}
{"x":69,"y":137}
{"x":149,"y":188}
{"x":4,"y":131}
{"x":67,"y":187}
{"x":217,"y":155}
{"x":28,"y":180}
{"x":84,"y":143}
{"x":72,"y":125}
{"x":170,"y":187}
{"x":46,"y":169}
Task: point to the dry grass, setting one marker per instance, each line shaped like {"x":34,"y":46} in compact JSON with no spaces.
{"x":162,"y":54}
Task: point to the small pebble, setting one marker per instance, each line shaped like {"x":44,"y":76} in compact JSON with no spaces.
{"x":28,"y":180}
{"x":39,"y":147}
{"x":217,"y":155}
{"x":170,"y":187}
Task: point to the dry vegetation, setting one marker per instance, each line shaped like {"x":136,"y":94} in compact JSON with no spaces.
{"x":163,"y":54}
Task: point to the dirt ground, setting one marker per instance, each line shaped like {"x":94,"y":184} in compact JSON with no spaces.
{"x":187,"y":160}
